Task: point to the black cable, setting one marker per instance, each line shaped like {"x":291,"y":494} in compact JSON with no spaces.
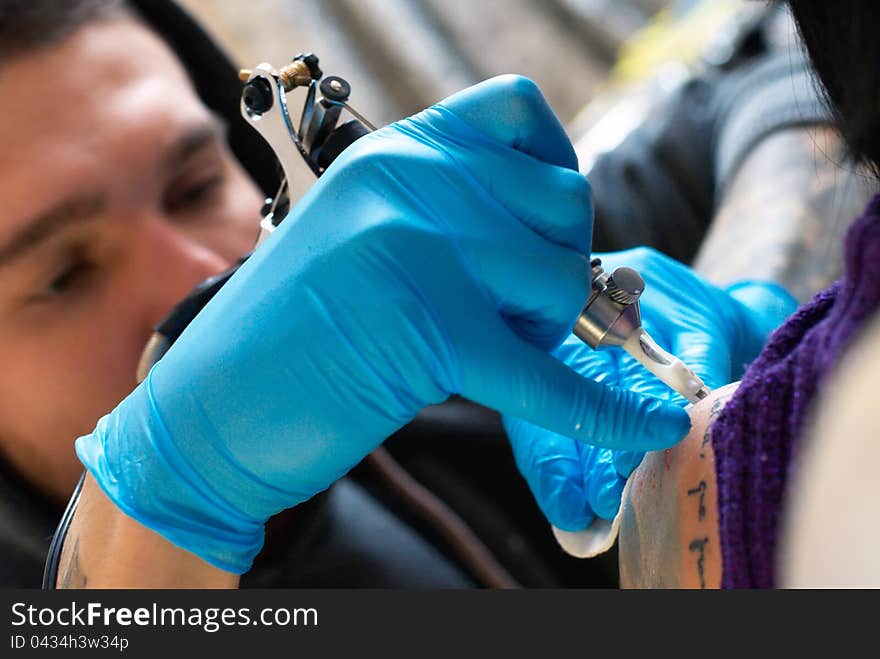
{"x":464,"y":543}
{"x":50,"y":573}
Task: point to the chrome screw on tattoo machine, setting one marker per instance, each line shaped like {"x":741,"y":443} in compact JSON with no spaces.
{"x":611,"y":317}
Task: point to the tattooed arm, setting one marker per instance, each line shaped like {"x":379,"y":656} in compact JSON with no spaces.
{"x":785,"y":212}
{"x":141,"y":558}
{"x":669,"y":521}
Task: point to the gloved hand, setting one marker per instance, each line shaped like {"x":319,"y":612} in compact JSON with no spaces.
{"x":442,"y":254}
{"x":716,"y":332}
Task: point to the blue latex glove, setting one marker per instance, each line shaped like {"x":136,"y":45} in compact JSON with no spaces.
{"x":445,"y":253}
{"x":716,"y":332}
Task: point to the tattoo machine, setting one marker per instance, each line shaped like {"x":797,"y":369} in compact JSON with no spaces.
{"x":611,"y":317}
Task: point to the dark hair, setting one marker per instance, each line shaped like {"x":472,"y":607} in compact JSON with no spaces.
{"x":27,"y":25}
{"x":843,"y":41}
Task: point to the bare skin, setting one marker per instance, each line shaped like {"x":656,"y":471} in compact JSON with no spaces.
{"x":106,"y":549}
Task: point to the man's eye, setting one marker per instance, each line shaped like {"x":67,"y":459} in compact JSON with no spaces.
{"x":194,"y":195}
{"x":68,"y":279}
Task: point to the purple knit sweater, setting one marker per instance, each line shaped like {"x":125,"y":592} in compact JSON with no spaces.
{"x":755,"y":438}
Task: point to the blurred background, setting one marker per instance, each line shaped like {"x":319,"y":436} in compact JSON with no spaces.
{"x":400,"y":56}
{"x":403,"y":55}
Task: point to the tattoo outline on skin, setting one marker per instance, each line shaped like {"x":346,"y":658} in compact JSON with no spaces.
{"x":699,"y":545}
{"x":714,"y":411}
{"x":701,"y":490}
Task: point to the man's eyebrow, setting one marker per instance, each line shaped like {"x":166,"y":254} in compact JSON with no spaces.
{"x":39,"y":229}
{"x":42,"y":227}
{"x":195,"y":139}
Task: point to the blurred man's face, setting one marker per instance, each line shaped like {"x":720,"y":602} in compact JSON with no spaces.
{"x":117,"y":195}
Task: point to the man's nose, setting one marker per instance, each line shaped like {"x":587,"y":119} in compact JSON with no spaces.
{"x":172,"y":262}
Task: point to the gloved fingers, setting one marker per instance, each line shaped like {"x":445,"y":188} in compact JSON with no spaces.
{"x":502,"y":371}
{"x":536,"y":287}
{"x":763,"y":306}
{"x":708,"y":355}
{"x":539,"y":288}
{"x":551,"y":465}
{"x":769,"y":302}
{"x":602,"y":484}
{"x":597,"y":365}
{"x":554,"y":202}
{"x":604,"y":490}
{"x":511,"y":110}
{"x":666,"y":280}
{"x":614,"y":367}
{"x":625,"y":462}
